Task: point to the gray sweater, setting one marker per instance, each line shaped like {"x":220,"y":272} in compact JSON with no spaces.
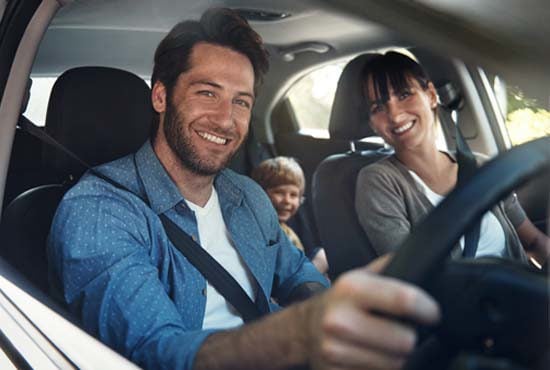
{"x":390,"y":204}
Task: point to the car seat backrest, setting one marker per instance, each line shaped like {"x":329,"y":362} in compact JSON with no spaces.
{"x":24,"y":228}
{"x":98,"y":113}
{"x":333,"y":185}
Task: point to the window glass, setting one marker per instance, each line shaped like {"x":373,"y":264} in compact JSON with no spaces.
{"x":38,"y":102}
{"x":311,"y":99}
{"x":526,"y":117}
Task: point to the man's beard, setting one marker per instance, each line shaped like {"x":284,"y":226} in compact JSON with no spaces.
{"x":181,"y":144}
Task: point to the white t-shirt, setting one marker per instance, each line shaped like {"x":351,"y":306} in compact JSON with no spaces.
{"x":215,"y":239}
{"x":492,"y":241}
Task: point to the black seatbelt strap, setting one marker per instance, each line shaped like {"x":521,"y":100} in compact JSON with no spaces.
{"x":29,"y":127}
{"x":467,"y":165}
{"x":452,"y":102}
{"x":212,"y":271}
{"x":222,"y":280}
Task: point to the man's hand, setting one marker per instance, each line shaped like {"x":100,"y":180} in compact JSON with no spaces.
{"x":344,"y":331}
{"x":335,"y":330}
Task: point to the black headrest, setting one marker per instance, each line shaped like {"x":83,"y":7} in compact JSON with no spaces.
{"x":98,"y":113}
{"x":349,"y":115}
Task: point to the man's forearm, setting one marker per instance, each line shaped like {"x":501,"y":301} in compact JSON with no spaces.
{"x":278,"y":341}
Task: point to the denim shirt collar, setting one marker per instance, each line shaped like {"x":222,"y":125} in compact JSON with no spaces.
{"x":162,"y":192}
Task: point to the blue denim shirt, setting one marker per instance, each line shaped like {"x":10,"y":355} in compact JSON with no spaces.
{"x":113,"y":264}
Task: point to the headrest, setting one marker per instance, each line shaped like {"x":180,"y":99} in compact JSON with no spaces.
{"x":349,"y":115}
{"x":98,"y":113}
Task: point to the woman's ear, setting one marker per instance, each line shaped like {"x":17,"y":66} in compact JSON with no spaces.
{"x":432,"y":93}
{"x":372,"y":126}
{"x":158,"y":97}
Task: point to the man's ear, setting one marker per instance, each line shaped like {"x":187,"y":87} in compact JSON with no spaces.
{"x":158,"y":97}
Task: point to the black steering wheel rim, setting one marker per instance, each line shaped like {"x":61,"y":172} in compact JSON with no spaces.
{"x":490,"y":184}
{"x":429,"y":250}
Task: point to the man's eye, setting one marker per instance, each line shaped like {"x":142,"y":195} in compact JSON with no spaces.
{"x":206,"y":93}
{"x":243,"y":103}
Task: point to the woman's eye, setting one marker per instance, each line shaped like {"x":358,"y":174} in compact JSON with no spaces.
{"x":404,"y":94}
{"x":375,"y":108}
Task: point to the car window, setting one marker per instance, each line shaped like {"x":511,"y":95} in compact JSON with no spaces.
{"x":38,"y":101}
{"x":311,"y":99}
{"x":526,"y":117}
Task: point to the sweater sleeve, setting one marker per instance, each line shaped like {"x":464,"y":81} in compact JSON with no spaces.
{"x":514,"y":211}
{"x":381,"y":210}
{"x":512,"y":207}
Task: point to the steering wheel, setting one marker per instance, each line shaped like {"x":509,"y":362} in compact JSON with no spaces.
{"x":492,"y":307}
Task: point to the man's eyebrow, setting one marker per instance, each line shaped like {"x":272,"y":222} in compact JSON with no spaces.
{"x":206,"y":82}
{"x":218,"y":86}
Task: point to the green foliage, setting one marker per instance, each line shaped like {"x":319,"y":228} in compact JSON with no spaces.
{"x":525,"y":121}
{"x":518,"y":100}
{"x":528,"y":124}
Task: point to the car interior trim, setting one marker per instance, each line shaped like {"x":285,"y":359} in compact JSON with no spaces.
{"x":17,"y":81}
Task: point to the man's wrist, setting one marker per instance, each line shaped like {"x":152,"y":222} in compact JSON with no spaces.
{"x":304,"y":291}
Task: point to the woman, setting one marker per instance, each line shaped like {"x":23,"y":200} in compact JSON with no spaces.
{"x":395,"y":194}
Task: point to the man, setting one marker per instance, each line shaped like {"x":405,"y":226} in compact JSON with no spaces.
{"x":116,"y":269}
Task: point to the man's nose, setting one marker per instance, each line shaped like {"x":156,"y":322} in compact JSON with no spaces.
{"x":222,"y":114}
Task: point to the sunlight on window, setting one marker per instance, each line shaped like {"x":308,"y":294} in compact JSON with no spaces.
{"x":527,"y":124}
{"x":38,"y":103}
{"x":311,"y":99}
{"x":525,"y":119}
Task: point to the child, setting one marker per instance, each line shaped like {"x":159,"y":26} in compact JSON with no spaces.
{"x":283,"y":180}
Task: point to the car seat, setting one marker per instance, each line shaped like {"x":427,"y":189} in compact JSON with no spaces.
{"x":333,"y":186}
{"x":98,"y":113}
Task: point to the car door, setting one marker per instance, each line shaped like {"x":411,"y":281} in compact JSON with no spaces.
{"x":35,"y":332}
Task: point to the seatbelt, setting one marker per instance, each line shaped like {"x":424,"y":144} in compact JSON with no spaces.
{"x":212,"y":271}
{"x":222,"y":280}
{"x":451,"y":102}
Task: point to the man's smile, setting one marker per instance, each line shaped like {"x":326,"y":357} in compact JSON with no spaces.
{"x":213,"y":138}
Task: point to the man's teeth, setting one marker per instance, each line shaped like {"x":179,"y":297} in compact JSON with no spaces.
{"x":212,"y":138}
{"x":401,"y":129}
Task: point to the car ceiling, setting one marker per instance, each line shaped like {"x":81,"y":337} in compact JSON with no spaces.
{"x":82,"y":28}
{"x":501,"y":34}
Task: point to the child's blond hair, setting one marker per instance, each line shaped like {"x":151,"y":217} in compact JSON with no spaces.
{"x":278,"y":171}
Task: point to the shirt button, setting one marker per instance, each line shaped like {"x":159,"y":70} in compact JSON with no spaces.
{"x":194,"y":238}
{"x":204,"y":292}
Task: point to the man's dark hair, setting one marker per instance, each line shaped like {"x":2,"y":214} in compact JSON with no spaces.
{"x":219,"y":26}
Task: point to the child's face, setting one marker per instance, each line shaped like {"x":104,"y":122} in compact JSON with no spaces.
{"x":285,"y":199}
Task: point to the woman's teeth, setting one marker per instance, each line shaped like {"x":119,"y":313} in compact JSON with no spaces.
{"x":402,"y":129}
